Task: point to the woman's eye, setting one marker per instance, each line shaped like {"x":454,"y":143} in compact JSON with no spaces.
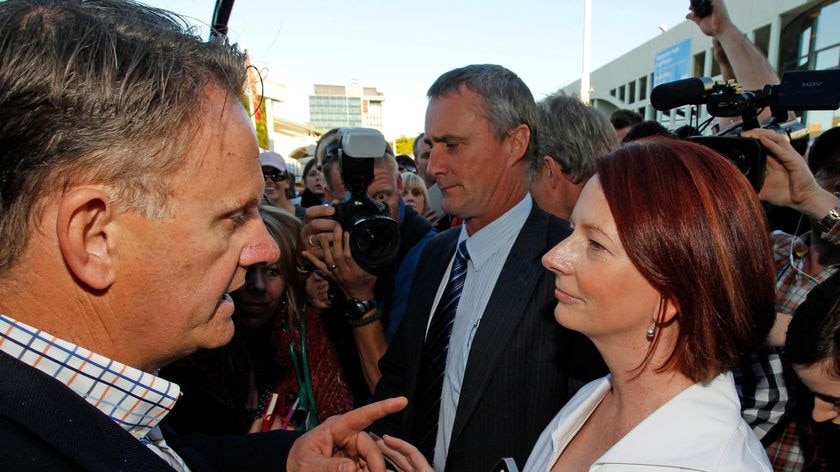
{"x":596,"y":246}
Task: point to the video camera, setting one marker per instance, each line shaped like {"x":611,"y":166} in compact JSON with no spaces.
{"x":798,"y":91}
{"x":374,"y":236}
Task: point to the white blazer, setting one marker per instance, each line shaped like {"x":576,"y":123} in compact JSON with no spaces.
{"x":700,"y":429}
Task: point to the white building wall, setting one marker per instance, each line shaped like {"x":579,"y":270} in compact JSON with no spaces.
{"x":748,"y":15}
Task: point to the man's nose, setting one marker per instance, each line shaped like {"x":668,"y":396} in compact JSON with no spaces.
{"x":435,"y":164}
{"x":263,"y":249}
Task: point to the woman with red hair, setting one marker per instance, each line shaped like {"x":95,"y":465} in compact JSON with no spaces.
{"x":669,"y":272}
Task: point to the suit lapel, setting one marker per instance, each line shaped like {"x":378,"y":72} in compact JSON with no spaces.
{"x":506,"y":307}
{"x":427,"y":281}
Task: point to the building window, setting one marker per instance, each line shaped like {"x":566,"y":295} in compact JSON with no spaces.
{"x":715,"y":67}
{"x":621,"y":93}
{"x":642,"y":88}
{"x":762,"y":39}
{"x":811,"y":40}
{"x":612,"y":92}
{"x":700,"y":64}
{"x":631,"y":92}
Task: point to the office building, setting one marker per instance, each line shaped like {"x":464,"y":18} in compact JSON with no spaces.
{"x":792,"y":34}
{"x":336,"y":106}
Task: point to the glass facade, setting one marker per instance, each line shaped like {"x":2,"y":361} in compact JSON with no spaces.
{"x":326,"y":112}
{"x":811,"y":41}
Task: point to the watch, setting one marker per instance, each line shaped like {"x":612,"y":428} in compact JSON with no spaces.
{"x":828,"y":221}
{"x":355,"y":309}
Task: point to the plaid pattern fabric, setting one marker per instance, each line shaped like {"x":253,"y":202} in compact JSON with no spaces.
{"x":135,"y":400}
{"x":764,"y":396}
{"x":785,"y":453}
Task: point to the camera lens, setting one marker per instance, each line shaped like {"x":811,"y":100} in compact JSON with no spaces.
{"x":375,"y":242}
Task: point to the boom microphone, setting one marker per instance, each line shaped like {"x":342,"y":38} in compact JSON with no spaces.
{"x":681,"y":92}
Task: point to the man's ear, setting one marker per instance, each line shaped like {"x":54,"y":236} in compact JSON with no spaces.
{"x":553,"y":171}
{"x":84,"y":221}
{"x":518,"y":140}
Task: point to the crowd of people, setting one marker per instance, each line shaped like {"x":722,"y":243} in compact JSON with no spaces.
{"x":570,"y":290}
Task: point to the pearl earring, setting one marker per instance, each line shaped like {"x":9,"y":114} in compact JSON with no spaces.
{"x":651,"y":331}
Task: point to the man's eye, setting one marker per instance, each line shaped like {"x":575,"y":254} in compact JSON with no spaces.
{"x":239,"y":219}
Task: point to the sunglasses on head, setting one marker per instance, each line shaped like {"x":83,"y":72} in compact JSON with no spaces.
{"x":275,"y":175}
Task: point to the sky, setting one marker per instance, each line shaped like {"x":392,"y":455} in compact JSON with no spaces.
{"x":402,"y":47}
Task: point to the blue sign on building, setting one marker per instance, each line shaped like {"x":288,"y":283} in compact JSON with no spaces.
{"x":673,"y":63}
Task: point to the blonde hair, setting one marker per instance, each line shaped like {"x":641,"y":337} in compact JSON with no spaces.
{"x":412,"y":181}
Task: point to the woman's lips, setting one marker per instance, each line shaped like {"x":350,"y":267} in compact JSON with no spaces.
{"x":564,"y":297}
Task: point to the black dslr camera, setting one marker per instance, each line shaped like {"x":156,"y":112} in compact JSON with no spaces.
{"x":798,"y":91}
{"x":374,"y":236}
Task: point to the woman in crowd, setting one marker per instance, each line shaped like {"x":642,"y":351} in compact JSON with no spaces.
{"x":279,"y":347}
{"x":669,"y":273}
{"x":414,"y":192}
{"x":313,"y":191}
{"x":813,"y":348}
{"x":279,"y":181}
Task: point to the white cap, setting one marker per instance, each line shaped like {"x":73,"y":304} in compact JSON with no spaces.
{"x":272,"y":159}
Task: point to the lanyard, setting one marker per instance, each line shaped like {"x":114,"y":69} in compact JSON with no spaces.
{"x":306,"y":398}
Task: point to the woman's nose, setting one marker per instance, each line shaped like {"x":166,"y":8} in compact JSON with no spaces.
{"x":558,"y":259}
{"x":823,"y":411}
{"x":255,"y":279}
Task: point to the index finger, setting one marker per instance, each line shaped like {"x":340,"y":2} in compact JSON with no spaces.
{"x":361,"y":418}
{"x":318,"y":211}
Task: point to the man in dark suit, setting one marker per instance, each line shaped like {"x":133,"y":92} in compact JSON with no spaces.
{"x":508,"y":364}
{"x":129,"y":182}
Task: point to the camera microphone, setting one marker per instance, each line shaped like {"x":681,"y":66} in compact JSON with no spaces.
{"x":681,"y":92}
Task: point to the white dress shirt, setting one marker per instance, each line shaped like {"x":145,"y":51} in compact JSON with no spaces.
{"x":700,"y":429}
{"x":488,"y":248}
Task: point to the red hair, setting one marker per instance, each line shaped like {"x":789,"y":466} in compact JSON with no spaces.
{"x":694,"y":227}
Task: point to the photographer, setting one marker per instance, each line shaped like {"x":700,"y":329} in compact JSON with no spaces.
{"x":375,"y":303}
{"x":802,"y":263}
{"x":739,"y":59}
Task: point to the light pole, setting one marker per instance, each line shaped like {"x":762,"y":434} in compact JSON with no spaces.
{"x":587,"y":34}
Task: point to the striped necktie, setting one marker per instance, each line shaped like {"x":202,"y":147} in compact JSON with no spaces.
{"x":433,"y":361}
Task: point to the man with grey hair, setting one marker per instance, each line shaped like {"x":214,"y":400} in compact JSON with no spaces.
{"x":572,"y":136}
{"x":129,"y":184}
{"x":478,"y":353}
